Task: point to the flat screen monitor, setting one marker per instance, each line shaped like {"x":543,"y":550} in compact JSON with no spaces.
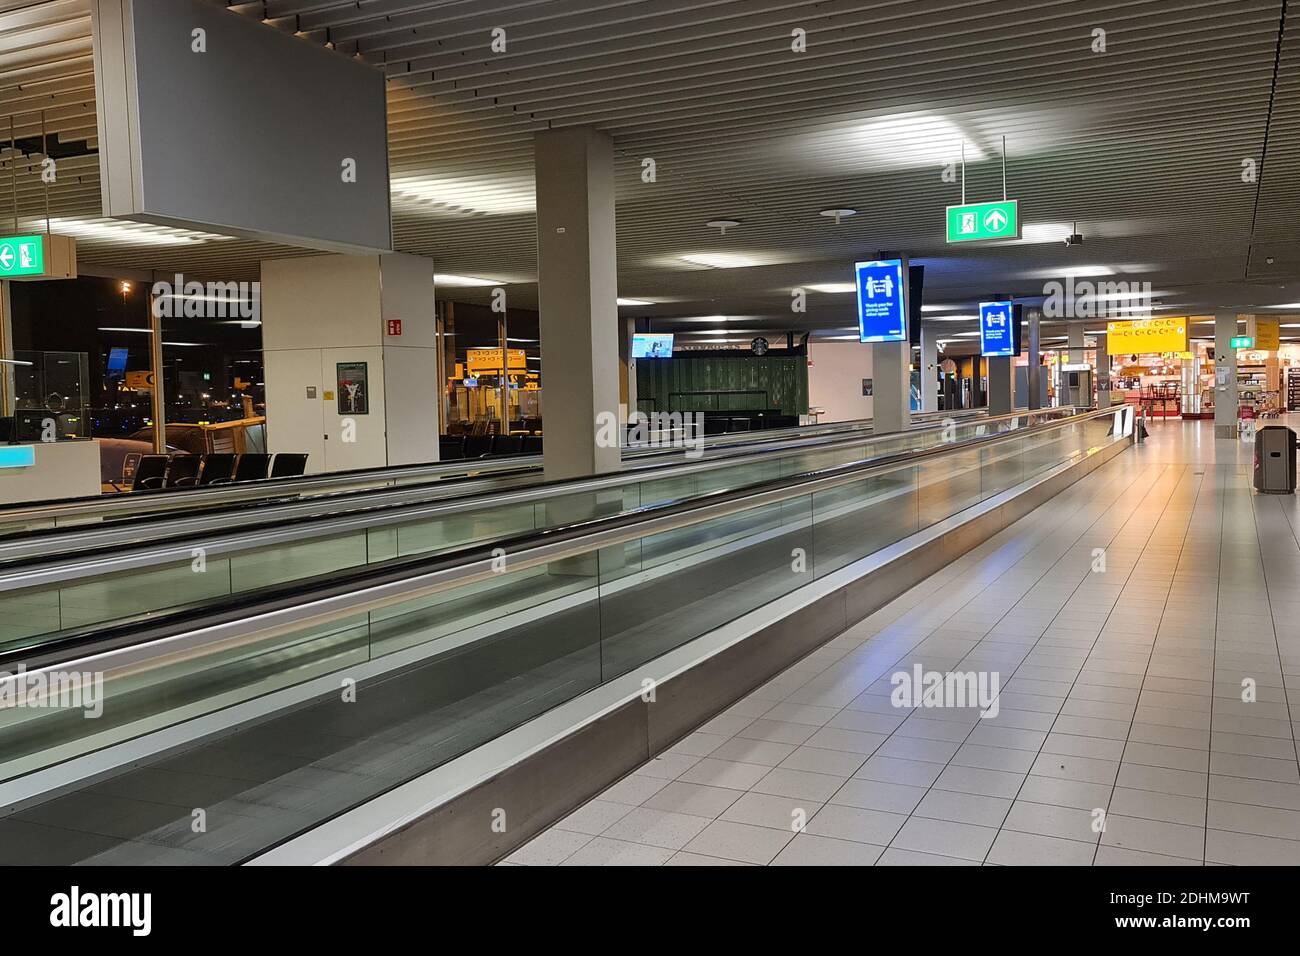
{"x":652,"y":345}
{"x":882,"y":301}
{"x":116,"y":365}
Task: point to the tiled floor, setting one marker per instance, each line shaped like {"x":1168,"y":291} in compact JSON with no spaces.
{"x":1122,"y":620}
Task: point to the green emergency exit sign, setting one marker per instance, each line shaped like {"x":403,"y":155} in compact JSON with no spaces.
{"x":22,"y":256}
{"x":984,"y":220}
{"x":1242,"y":342}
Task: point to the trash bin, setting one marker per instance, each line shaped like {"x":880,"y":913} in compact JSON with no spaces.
{"x":1275,"y":448}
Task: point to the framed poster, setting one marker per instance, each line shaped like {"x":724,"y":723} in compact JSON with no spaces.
{"x":353,"y":388}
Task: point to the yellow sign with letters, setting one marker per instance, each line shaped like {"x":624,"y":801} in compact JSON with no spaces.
{"x":489,"y":361}
{"x":1147,"y":336}
{"x":1268,"y":334}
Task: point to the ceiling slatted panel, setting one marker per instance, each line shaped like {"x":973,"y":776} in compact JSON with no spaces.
{"x":1141,"y":145}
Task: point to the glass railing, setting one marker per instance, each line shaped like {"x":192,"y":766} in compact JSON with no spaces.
{"x":449,"y":653}
{"x":440,"y":477}
{"x":133,"y":573}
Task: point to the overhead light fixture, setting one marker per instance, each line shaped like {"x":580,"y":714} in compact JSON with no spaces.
{"x":723,"y":224}
{"x":941,"y":308}
{"x":838,"y":214}
{"x":719,"y":260}
{"x":139,"y":233}
{"x":111,"y":328}
{"x":466,"y":282}
{"x":900,"y":141}
{"x":833,"y":288}
{"x":467,"y":196}
{"x":634,"y":302}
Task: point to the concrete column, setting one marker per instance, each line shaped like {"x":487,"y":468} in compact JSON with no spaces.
{"x":1103,"y":372}
{"x":1000,"y":384}
{"x":891,"y":399}
{"x":1035,"y":374}
{"x":626,"y":370}
{"x":1074,"y":341}
{"x":1225,"y":375}
{"x":929,"y":368}
{"x":7,"y":381}
{"x":323,"y":312}
{"x":577,"y":296}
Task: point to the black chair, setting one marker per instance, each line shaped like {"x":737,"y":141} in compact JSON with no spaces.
{"x":507,"y":445}
{"x":478,"y":446}
{"x":739,"y":425}
{"x":532,"y":444}
{"x":8,"y":433}
{"x":183,"y":471}
{"x":217,"y":469}
{"x":252,"y":467}
{"x":451,"y":447}
{"x":150,"y":473}
{"x":288,"y":465}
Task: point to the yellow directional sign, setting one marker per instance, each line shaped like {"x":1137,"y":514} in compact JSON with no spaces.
{"x":1147,"y":336}
{"x":1268,"y":334}
{"x":489,"y":361}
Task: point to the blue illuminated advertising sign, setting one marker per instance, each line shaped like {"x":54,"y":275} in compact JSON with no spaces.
{"x":997,"y":329}
{"x":882,"y":301}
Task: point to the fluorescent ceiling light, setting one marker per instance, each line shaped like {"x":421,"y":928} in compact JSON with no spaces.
{"x":719,"y":260}
{"x":1288,"y":305}
{"x":119,"y":329}
{"x":116,"y":230}
{"x":832,"y":288}
{"x":901,"y":141}
{"x":1082,"y":272}
{"x":634,"y":302}
{"x":955,"y":318}
{"x":466,"y":196}
{"x":467,"y":282}
{"x":1044,"y":232}
{"x":941,"y":308}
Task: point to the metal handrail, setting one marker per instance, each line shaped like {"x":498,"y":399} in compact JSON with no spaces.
{"x":318,"y":517}
{"x":272,"y":614}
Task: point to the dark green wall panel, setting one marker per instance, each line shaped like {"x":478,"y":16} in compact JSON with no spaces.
{"x":752,"y":382}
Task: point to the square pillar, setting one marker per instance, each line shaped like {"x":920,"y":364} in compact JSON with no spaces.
{"x":577,"y":293}
{"x":929,"y":368}
{"x":1103,"y":372}
{"x":1000,"y":381}
{"x":1225,"y":375}
{"x":365,"y":319}
{"x":891,"y":401}
{"x":1035,"y":372}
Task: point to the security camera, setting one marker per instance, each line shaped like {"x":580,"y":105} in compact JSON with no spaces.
{"x":1074,"y":239}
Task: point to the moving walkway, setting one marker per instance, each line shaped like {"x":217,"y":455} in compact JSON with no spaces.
{"x":56,"y":584}
{"x":241,"y":707}
{"x":505,"y":472}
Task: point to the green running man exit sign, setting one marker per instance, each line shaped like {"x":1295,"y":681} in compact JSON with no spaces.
{"x":38,"y":257}
{"x":22,"y":256}
{"x":984,"y":220}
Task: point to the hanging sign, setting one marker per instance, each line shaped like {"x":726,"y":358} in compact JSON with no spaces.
{"x":1147,"y":336}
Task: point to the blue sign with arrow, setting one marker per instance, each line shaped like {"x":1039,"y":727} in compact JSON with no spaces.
{"x":882,"y":301}
{"x":997,"y":329}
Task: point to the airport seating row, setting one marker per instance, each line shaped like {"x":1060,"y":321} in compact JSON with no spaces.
{"x":457,"y":447}
{"x":195,"y":471}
